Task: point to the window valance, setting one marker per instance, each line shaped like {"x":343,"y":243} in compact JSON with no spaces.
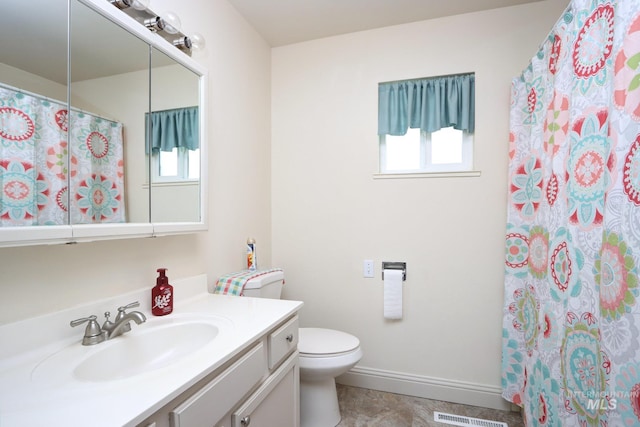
{"x":429,"y":104}
{"x":174,"y":128}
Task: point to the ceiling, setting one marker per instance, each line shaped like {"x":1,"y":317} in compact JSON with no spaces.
{"x":282,"y":22}
{"x":39,"y":26}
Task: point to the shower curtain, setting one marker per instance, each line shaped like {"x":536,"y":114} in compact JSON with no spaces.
{"x":571,"y":346}
{"x":57,"y":167}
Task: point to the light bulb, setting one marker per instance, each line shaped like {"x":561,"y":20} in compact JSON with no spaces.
{"x":197,"y":41}
{"x":140,"y":4}
{"x":172,"y":22}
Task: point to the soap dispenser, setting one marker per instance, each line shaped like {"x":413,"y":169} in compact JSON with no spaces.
{"x":162,"y":295}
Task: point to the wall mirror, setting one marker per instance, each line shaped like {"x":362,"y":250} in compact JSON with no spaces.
{"x":88,"y":100}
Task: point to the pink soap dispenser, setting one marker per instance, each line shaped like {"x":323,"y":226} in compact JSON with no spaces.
{"x":162,"y":295}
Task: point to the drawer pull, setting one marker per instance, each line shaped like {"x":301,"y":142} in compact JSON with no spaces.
{"x":290,"y":337}
{"x":246,"y":421}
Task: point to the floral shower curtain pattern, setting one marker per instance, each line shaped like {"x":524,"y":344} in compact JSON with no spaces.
{"x":97,"y":169}
{"x":56,"y":167}
{"x":571,"y":342}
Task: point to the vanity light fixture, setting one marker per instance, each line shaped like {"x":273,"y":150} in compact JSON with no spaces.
{"x":155,"y":24}
{"x":166,"y":25}
{"x":125,"y":4}
{"x":183,"y":43}
{"x":195,"y":42}
{"x":121,"y":4}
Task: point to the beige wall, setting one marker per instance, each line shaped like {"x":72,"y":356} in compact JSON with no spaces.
{"x":329,"y":214}
{"x":36,"y":280}
{"x":33,"y":83}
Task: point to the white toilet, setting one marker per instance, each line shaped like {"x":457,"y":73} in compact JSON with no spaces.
{"x":324,"y":354}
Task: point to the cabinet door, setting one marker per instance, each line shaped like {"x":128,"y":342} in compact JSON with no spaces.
{"x":276,"y":402}
{"x":225,"y":422}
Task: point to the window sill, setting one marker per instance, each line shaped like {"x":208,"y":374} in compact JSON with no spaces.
{"x":411,"y":175}
{"x":185,"y":183}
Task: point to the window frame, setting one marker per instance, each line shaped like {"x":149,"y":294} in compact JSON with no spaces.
{"x":426,"y":165}
{"x":182,"y":161}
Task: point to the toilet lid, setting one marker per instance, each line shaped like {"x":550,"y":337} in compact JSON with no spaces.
{"x":325,"y":341}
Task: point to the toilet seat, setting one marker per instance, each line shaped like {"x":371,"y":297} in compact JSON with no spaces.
{"x":320,"y":342}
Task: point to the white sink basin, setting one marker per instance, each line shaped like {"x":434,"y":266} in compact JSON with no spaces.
{"x":149,"y":346}
{"x":130,"y":355}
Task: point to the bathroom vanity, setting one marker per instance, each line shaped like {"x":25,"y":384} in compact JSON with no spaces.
{"x":216,"y":360}
{"x":259,"y":386}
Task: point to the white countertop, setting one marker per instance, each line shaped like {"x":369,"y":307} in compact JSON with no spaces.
{"x":62,"y":400}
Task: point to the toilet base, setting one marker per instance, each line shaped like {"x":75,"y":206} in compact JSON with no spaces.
{"x":319,"y":403}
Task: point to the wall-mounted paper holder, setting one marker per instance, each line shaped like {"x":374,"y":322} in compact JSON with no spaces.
{"x":392,"y":265}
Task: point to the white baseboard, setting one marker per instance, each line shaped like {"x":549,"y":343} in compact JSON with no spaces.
{"x":426,"y":387}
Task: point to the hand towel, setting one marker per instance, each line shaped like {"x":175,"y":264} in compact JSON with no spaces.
{"x":233,"y":283}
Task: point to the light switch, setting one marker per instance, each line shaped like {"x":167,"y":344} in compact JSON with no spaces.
{"x":367,"y":270}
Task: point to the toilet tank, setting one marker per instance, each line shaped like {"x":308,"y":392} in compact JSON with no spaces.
{"x":268,"y":285}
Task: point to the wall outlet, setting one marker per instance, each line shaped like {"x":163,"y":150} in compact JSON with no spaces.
{"x":367,"y":268}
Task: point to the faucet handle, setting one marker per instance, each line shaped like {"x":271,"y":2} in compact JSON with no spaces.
{"x":92,"y":334}
{"x":121,"y":313}
{"x":130,"y":305}
{"x":80,"y":321}
{"x":121,"y":310}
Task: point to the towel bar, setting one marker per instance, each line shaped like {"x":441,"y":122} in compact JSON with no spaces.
{"x":393,"y":265}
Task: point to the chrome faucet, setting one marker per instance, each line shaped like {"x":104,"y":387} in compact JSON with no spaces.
{"x":122,"y":325}
{"x":93,"y":334}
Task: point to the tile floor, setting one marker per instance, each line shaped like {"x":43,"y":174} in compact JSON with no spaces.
{"x":370,"y":408}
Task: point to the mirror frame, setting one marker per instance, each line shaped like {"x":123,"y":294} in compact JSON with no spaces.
{"x":43,"y":235}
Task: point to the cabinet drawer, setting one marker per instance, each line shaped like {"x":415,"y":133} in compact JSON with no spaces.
{"x":215,"y":399}
{"x":282,"y":341}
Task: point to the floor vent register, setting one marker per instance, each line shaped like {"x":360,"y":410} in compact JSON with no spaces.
{"x":459,"y":420}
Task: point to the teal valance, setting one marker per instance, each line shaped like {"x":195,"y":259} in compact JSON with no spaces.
{"x":174,"y":128}
{"x":429,"y":104}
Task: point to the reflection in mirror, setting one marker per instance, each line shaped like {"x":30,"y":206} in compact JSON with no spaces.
{"x":98,"y":172}
{"x":109,"y":87}
{"x":175,"y":141}
{"x":33,"y":113}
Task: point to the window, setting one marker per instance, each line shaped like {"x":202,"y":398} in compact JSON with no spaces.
{"x":426,"y":125}
{"x":174,"y":145}
{"x":445,"y":150}
{"x":180,"y":164}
